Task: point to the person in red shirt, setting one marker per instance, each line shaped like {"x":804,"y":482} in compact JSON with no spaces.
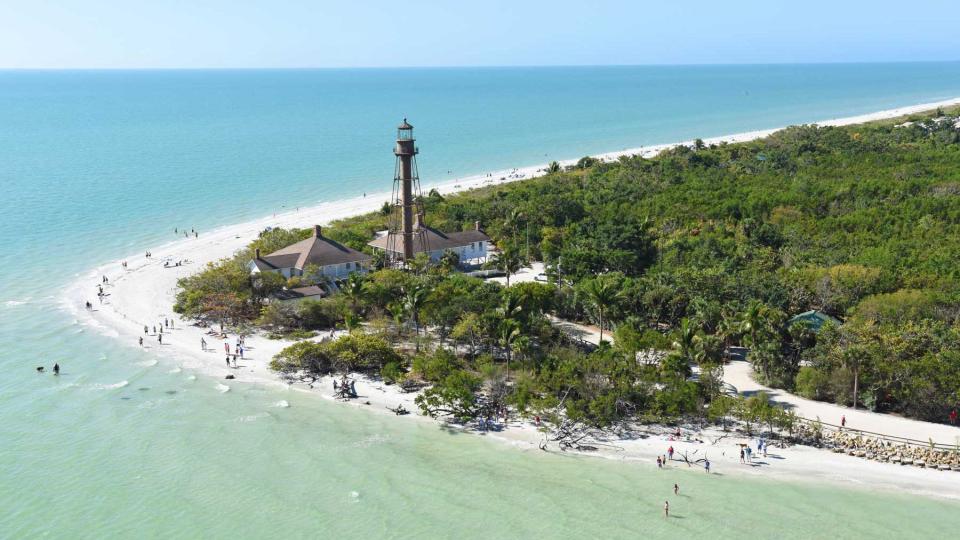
{"x":953,"y":417}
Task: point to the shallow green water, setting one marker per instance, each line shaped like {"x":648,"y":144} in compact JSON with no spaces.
{"x":168,"y":455}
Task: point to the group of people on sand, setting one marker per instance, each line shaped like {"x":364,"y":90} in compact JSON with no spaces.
{"x":104,"y":280}
{"x":158,"y":331}
{"x":662,"y":460}
{"x":237,"y":349}
{"x":346,"y":388}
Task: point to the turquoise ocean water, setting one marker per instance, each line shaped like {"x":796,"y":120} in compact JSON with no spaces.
{"x":98,"y":165}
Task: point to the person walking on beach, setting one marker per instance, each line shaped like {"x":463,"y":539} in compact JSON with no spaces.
{"x":227,"y":359}
{"x":141,"y":341}
{"x":145,"y":330}
{"x":203,"y":345}
{"x":843,"y":421}
{"x":226,"y":348}
{"x":670,"y":452}
{"x":742,"y":455}
{"x":666,"y":509}
{"x":160,"y":338}
{"x":953,"y":417}
{"x":659,"y":463}
{"x":706,"y":465}
{"x":56,"y":369}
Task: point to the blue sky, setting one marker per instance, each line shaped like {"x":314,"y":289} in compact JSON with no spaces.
{"x":367,"y":33}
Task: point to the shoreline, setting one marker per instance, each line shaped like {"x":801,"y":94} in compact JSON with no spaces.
{"x":143,"y":293}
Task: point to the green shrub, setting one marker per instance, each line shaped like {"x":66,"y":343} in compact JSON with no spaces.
{"x":812,"y":383}
{"x":392,"y":372}
{"x":436,"y":366}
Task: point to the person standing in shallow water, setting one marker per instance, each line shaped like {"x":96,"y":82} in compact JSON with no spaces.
{"x":56,"y":369}
{"x":666,"y":509}
{"x":676,"y":489}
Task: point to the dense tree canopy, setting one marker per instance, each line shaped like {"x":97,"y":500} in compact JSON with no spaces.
{"x":688,"y":253}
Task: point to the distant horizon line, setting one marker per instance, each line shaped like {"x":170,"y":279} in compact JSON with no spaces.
{"x":479,"y":66}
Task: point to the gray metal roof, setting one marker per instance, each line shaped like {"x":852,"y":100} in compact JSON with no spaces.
{"x":311,"y":291}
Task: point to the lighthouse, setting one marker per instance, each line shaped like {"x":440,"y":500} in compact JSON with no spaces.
{"x":407,"y":234}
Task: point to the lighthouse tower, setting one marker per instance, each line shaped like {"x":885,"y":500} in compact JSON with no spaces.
{"x":406,"y":235}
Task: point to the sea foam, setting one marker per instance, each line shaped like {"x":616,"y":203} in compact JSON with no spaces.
{"x":120,"y":384}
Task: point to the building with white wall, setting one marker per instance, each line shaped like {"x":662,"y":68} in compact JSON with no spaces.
{"x":334,"y":260}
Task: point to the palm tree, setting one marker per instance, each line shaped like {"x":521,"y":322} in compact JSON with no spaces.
{"x":511,"y":307}
{"x":513,"y":221}
{"x":601,"y":292}
{"x":397,"y":311}
{"x":687,"y":339}
{"x":509,"y":261}
{"x":753,"y":322}
{"x":355,"y":291}
{"x":758,"y":324}
{"x":413,"y":300}
{"x":509,"y":330}
{"x":728,"y":328}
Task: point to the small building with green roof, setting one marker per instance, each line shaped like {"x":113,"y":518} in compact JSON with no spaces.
{"x":814,"y":319}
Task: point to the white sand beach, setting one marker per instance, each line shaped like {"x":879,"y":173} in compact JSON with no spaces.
{"x":143,"y":294}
